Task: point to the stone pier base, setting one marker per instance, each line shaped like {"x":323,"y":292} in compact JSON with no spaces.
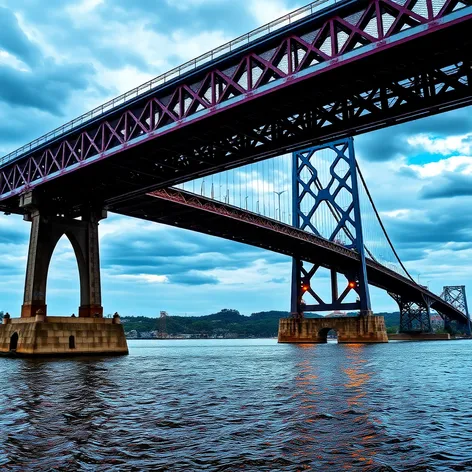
{"x":362,"y":329}
{"x":419,"y":337}
{"x":60,"y":336}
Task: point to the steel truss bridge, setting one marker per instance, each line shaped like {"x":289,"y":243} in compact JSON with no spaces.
{"x":323,"y":73}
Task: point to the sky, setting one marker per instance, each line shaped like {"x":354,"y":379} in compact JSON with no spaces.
{"x":60,"y":58}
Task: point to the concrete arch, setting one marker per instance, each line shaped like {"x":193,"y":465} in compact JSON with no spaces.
{"x":46,"y":231}
{"x":81,"y":258}
{"x":323,"y":333}
{"x":14,"y":341}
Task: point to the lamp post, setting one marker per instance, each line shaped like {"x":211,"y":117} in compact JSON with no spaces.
{"x":279,"y":194}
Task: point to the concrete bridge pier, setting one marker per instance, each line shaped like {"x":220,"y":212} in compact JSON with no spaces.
{"x":34,"y":333}
{"x":365,"y":328}
{"x":46,"y":230}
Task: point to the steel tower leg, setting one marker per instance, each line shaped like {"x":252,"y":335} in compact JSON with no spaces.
{"x":456,"y":296}
{"x":415,"y":315}
{"x":312,"y":191}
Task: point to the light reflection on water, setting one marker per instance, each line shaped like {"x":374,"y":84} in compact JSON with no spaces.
{"x":229,"y":405}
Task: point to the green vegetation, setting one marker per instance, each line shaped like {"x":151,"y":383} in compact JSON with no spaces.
{"x":226,"y":323}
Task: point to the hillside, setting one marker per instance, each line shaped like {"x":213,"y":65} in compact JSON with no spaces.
{"x":225,"y":323}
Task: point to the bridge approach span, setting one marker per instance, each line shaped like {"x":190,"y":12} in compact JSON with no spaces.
{"x":346,"y":69}
{"x":186,"y":210}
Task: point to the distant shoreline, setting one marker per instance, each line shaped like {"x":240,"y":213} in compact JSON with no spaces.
{"x":193,"y":339}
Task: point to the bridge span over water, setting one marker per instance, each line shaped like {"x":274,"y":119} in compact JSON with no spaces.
{"x":346,"y":68}
{"x":175,"y":207}
{"x":302,"y":84}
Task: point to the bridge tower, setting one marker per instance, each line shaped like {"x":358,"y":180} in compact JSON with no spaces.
{"x":329,"y":183}
{"x":326,"y":203}
{"x":456,"y":296}
{"x":415,"y":313}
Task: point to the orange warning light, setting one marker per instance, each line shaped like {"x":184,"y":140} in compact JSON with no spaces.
{"x":352,"y":284}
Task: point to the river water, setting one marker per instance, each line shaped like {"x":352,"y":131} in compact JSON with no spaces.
{"x":231,"y":405}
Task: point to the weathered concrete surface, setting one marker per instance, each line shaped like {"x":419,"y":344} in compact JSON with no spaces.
{"x":52,"y":336}
{"x":419,"y":337}
{"x":46,"y":230}
{"x":362,"y":329}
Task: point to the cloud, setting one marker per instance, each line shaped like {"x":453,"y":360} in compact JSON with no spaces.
{"x":145,"y":278}
{"x":447,"y":132}
{"x":193,"y":278}
{"x":56,"y":82}
{"x":267,"y":10}
{"x":448,"y":185}
{"x":14,"y":41}
{"x":182,"y":256}
{"x":445,"y":146}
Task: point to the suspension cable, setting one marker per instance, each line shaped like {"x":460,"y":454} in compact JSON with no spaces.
{"x":381,"y":224}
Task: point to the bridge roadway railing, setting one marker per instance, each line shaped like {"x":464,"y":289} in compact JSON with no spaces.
{"x":171,"y":75}
{"x":234,"y":213}
{"x":333,"y":36}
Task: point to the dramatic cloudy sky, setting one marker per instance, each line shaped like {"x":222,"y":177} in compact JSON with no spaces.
{"x":61,"y":57}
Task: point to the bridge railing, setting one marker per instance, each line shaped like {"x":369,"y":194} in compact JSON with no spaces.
{"x":183,"y":69}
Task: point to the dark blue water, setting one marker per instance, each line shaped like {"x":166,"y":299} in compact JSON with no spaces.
{"x":230,"y":405}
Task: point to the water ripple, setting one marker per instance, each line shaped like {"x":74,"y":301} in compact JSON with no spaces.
{"x":241,"y":405}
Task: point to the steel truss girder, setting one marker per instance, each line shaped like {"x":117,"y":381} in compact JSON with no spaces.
{"x":415,"y":315}
{"x":212,"y":206}
{"x":306,"y":184}
{"x":359,"y":30}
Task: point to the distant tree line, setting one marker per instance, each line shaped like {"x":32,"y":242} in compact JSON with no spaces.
{"x":226,"y":322}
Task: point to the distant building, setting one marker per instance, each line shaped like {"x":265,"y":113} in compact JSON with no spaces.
{"x":336,"y":314}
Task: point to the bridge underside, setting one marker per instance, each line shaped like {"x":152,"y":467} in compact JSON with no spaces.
{"x":420,"y":77}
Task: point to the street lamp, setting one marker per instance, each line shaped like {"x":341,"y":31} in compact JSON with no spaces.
{"x":278,"y":194}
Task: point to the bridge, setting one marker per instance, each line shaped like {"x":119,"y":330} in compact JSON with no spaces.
{"x":302,"y":84}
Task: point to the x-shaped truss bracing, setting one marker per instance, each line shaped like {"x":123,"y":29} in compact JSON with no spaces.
{"x":415,"y":316}
{"x":455,"y":295}
{"x":325,"y":186}
{"x":311,"y":47}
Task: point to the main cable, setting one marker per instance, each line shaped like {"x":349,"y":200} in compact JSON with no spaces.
{"x":381,"y":224}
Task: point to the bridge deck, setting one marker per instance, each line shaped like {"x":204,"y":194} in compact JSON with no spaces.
{"x":186,"y":210}
{"x":359,"y":66}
